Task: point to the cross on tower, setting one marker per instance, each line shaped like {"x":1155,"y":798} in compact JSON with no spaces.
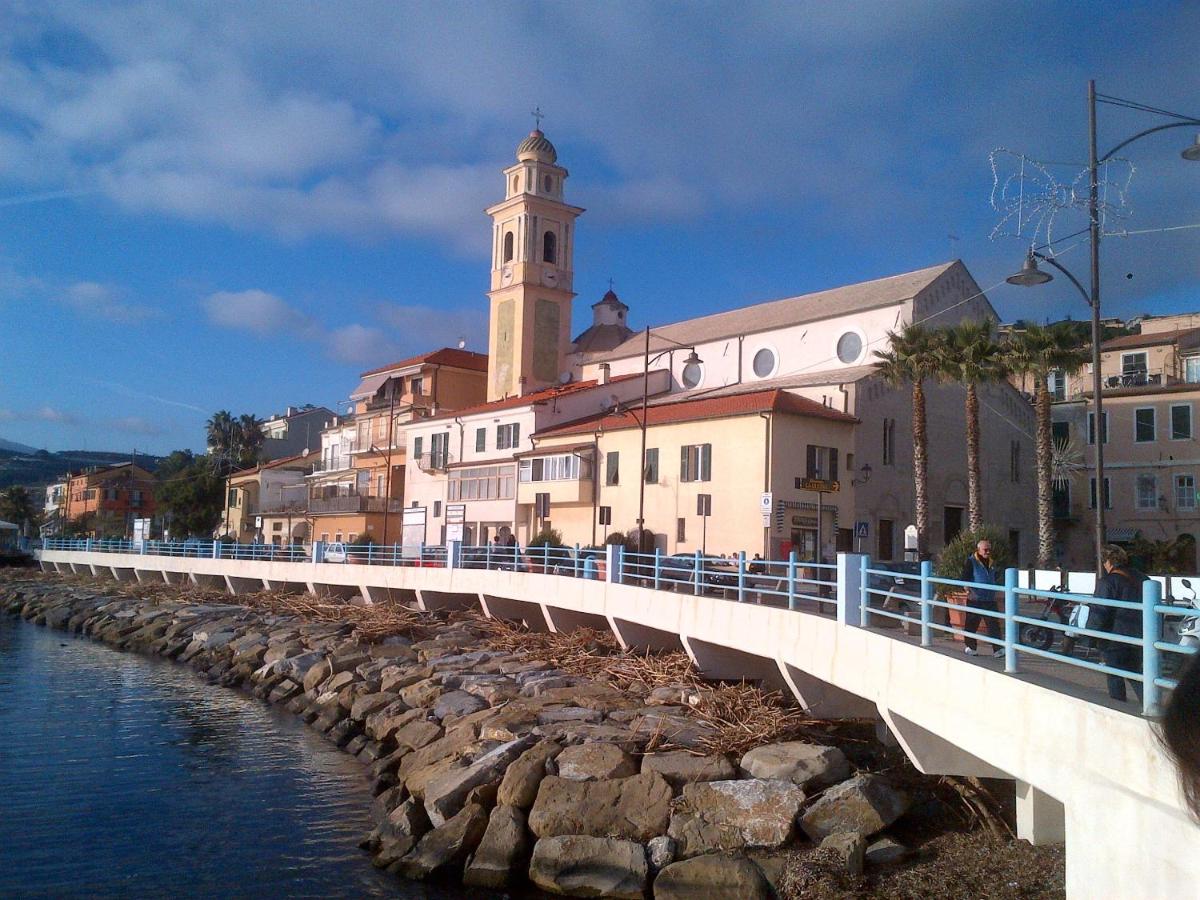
{"x":538,"y":115}
{"x":610,"y":284}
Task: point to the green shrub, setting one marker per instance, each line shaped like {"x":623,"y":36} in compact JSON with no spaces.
{"x":955,"y":553}
{"x":547,"y":537}
{"x":631,"y":541}
{"x":616,"y":537}
{"x":363,"y":540}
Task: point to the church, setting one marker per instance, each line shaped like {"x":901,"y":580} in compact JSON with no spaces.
{"x":760,"y":429}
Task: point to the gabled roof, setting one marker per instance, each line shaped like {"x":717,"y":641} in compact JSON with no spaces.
{"x":275,"y":463}
{"x":446,"y":356}
{"x":1182,"y":336}
{"x":545,"y":395}
{"x":664,"y":413}
{"x":839,"y":301}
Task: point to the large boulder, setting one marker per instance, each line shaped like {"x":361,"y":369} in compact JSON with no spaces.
{"x":446,"y":794}
{"x":520,"y":785}
{"x":582,"y":866}
{"x":369,"y":703}
{"x":383,"y":723}
{"x":457,"y":703}
{"x":732,"y":815}
{"x":400,"y":831}
{"x":417,"y":732}
{"x":681,"y":768}
{"x":502,"y":851}
{"x":637,"y":808}
{"x":591,"y":762}
{"x":447,"y":847}
{"x":421,"y":693}
{"x":714,"y":876}
{"x":809,"y":765}
{"x":848,"y":847}
{"x":865,"y":804}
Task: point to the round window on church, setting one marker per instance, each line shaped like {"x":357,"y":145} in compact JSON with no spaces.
{"x":849,"y":347}
{"x":764,"y":362}
{"x":693,"y":374}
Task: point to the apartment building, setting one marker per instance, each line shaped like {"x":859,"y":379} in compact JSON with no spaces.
{"x":1151,"y":393}
{"x":294,"y":432}
{"x":268,"y":503}
{"x":104,"y":500}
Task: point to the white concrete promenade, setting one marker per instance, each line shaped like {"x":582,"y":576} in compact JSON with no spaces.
{"x":1093,"y":775}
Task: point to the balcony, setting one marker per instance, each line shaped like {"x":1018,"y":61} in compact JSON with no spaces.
{"x":282,"y":507}
{"x":354,"y":503}
{"x":1119,"y":381}
{"x":338,"y":464}
{"x":437,"y":461}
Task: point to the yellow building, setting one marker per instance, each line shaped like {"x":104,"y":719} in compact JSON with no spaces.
{"x":259,"y":499}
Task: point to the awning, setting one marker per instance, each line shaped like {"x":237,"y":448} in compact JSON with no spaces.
{"x":9,"y":526}
{"x":1120,"y":534}
{"x":369,"y":386}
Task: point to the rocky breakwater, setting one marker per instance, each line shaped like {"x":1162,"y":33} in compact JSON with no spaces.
{"x":496,"y":768}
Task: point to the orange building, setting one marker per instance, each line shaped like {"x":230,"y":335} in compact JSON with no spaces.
{"x":357,"y":486}
{"x":105,"y":500}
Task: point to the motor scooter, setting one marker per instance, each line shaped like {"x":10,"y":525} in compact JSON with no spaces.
{"x":1182,"y":628}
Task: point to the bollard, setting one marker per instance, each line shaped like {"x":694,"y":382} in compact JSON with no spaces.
{"x":926,"y":603}
{"x":863,"y":584}
{"x":1011,"y":627}
{"x":1151,"y":634}
{"x":742,"y":577}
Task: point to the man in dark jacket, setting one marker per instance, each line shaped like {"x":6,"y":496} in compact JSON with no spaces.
{"x":980,"y":569}
{"x":1119,"y":582}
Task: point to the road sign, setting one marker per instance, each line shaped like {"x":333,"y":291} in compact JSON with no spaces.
{"x":766,"y":500}
{"x":862,"y":529}
{"x":818,"y":484}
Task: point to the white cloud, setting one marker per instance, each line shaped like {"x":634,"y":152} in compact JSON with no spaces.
{"x":361,"y":345}
{"x":51,"y":414}
{"x":427,"y":328}
{"x":255,"y":311}
{"x":102,"y":301}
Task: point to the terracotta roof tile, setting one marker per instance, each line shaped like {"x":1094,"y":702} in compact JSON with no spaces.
{"x":1150,"y":340}
{"x":542,"y":396}
{"x":446,"y":356}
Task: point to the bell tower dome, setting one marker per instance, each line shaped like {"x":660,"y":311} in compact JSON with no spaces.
{"x":533,"y":235}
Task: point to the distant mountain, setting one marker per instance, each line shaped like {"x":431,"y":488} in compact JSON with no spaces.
{"x":34,"y":468}
{"x":15,"y":447}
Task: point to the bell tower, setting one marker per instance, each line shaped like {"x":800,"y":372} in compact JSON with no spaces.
{"x":533,"y":241}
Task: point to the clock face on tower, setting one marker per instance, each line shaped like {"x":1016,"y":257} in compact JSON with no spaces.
{"x":506,"y":275}
{"x":549,"y":277}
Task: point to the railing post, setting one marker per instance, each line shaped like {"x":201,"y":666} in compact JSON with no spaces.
{"x":793,"y":603}
{"x":742,"y":576}
{"x":1011,"y":627}
{"x":487,"y":556}
{"x":864,"y":564}
{"x":1151,"y":634}
{"x":421,"y":554}
{"x":612,"y":568}
{"x":926,"y":603}
{"x":88,"y":546}
{"x":657,"y":568}
{"x":453,"y":554}
{"x":318,"y":551}
{"x":575,"y":567}
{"x":216,"y":550}
{"x":697,"y":577}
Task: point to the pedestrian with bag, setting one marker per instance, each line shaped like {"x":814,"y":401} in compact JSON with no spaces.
{"x":980,"y":570}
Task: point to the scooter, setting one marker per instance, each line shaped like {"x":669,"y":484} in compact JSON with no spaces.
{"x":1182,"y":629}
{"x":1041,"y":637}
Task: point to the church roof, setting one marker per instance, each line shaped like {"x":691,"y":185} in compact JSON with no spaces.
{"x":610,"y":299}
{"x":536,"y":146}
{"x":838,"y":301}
{"x":601,"y":337}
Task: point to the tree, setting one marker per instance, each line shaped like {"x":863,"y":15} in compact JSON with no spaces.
{"x":911,"y":358}
{"x":190,"y":494}
{"x":17,"y":506}
{"x":969,"y":355}
{"x":1036,"y":353}
{"x":233,"y":443}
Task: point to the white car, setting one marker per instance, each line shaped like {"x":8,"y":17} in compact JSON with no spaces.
{"x":336,"y":552}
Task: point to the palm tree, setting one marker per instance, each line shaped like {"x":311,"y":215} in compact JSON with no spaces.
{"x":969,"y":355}
{"x":219,"y":431}
{"x":911,"y":358}
{"x":249,"y":439}
{"x":1037,"y":352}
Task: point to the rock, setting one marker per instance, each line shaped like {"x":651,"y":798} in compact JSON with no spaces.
{"x":520,"y":785}
{"x":369,"y":703}
{"x":590,"y":762}
{"x":637,"y":808}
{"x":446,"y":794}
{"x":682,"y":731}
{"x":453,"y":743}
{"x":347,"y":659}
{"x":556,"y":714}
{"x":886,"y":851}
{"x":394,"y":678}
{"x":422,"y":693}
{"x":508,"y":723}
{"x":849,"y":847}
{"x":501,"y":851}
{"x":446,"y":847}
{"x":809,"y":765}
{"x":417,"y":733}
{"x":715,"y":876}
{"x":732,"y":815}
{"x":400,"y":831}
{"x":383,"y":723}
{"x":582,"y":866}
{"x":681,"y":768}
{"x":672,"y":695}
{"x":458,"y":703}
{"x":660,"y":852}
{"x":865,"y":804}
{"x":583,"y":733}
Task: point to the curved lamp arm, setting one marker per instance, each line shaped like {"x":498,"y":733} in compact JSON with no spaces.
{"x":1087,"y":298}
{"x":1186,"y":123}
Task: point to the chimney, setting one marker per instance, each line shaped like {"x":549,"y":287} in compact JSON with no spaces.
{"x":604,"y":372}
{"x":291,"y":411}
{"x":521,"y":386}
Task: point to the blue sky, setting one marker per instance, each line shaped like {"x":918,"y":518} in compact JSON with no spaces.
{"x":241,"y":206}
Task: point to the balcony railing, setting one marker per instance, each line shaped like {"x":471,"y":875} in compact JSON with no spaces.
{"x":335,"y":465}
{"x":354,"y":503}
{"x":273,"y":507}
{"x":1135,"y":378}
{"x":437,"y":461}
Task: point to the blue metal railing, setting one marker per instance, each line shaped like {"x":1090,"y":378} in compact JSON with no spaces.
{"x":773,"y":582}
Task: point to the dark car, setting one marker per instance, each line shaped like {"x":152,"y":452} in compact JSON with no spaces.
{"x":903,"y":578}
{"x":678,"y":572}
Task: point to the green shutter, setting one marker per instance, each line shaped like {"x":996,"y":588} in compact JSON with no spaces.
{"x":706,"y":462}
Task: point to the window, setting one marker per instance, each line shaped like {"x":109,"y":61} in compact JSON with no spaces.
{"x":612,"y":468}
{"x":1107,"y":494}
{"x":1060,"y":433}
{"x":605,"y":515}
{"x":1133,"y":363}
{"x":233,"y":497}
{"x":1181,"y":422}
{"x":480,"y":440}
{"x":546,"y":184}
{"x":508,"y":436}
{"x":1185,"y":492}
{"x":380,"y":485}
{"x":416,"y":386}
{"x":764,"y":362}
{"x":1092,"y":427}
{"x":693,"y":374}
{"x":324,"y":537}
{"x":695,"y":462}
{"x":887,"y":540}
{"x":516,"y":183}
{"x":277,"y":526}
{"x":566,"y":467}
{"x":822,"y":463}
{"x":437,"y":508}
{"x":417,"y":443}
{"x":352,"y":537}
{"x":508,"y":244}
{"x":337,"y":537}
{"x":849,"y":347}
{"x":549,"y":247}
{"x":652,"y":465}
{"x":1061,"y":499}
{"x":680,"y":530}
{"x":482,"y":483}
{"x":1191,"y":369}
{"x":889,"y":442}
{"x":136,"y":498}
{"x":1146,"y":492}
{"x":1143,"y":424}
{"x":438,"y":456}
{"x":1014,"y":461}
{"x":1056,"y":384}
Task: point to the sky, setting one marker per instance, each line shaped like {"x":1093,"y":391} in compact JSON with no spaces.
{"x":242,"y":206}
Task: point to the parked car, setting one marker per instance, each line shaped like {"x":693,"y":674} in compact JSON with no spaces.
{"x":678,"y":572}
{"x":904,"y":581}
{"x":336,"y":552}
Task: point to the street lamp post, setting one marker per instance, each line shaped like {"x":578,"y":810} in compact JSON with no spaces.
{"x":692,"y":359}
{"x":1030,"y":275}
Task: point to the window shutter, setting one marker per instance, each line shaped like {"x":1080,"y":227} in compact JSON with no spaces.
{"x":683,"y":464}
{"x":706,"y":462}
{"x":480,"y":440}
{"x":516,"y":434}
{"x":833,"y":464}
{"x":812,"y":461}
{"x":417,"y":447}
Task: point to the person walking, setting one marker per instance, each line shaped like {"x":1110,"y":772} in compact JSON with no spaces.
{"x":979,"y":569}
{"x":1120,"y":581}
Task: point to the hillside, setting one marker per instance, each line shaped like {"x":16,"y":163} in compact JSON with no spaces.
{"x":41,"y":467}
